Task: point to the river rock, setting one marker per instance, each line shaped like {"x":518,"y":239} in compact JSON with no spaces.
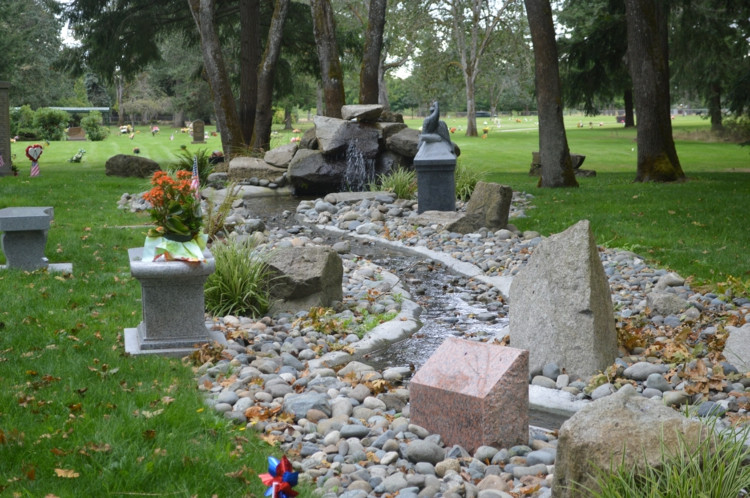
{"x":364,"y":113}
{"x":737,"y":347}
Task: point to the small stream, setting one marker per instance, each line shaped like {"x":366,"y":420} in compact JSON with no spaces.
{"x":445,"y":297}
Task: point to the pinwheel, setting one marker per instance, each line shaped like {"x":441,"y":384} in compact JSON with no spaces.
{"x":280,"y":478}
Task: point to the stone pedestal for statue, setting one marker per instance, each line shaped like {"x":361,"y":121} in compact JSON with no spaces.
{"x":435,"y":165}
{"x":173,"y":306}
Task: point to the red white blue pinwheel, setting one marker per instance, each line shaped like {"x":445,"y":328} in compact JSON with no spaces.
{"x":280,"y":478}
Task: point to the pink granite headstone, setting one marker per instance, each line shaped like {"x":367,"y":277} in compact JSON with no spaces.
{"x":473,"y":394}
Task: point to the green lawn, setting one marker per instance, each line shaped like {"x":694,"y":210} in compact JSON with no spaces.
{"x":79,"y":418}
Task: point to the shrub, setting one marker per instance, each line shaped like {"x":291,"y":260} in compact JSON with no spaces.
{"x":22,"y":121}
{"x":185,"y":162}
{"x":92,"y":124}
{"x":401,"y":181}
{"x":466,"y":180}
{"x":50,"y":124}
{"x":240,"y":285}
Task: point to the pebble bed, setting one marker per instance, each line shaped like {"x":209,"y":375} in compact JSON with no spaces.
{"x":345,"y":425}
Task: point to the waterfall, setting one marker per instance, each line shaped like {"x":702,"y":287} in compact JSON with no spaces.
{"x":359,"y":171}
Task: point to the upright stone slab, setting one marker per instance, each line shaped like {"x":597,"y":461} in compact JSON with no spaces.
{"x":561,"y":305}
{"x":5,"y":129}
{"x":25,"y":236}
{"x":473,"y":394}
{"x":199,"y":132}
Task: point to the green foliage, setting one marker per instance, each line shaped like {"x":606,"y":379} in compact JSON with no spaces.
{"x":716,"y":468}
{"x":50,"y":124}
{"x":368,"y":321}
{"x":466,"y":179}
{"x":402,"y":182}
{"x":92,"y":125}
{"x":22,"y":122}
{"x":185,"y":162}
{"x":240,"y":285}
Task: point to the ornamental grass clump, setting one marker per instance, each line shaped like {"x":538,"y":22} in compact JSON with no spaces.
{"x":201,"y":157}
{"x":402,"y":182}
{"x":718,"y":468}
{"x":466,"y":180}
{"x":175,"y":208}
{"x":240,"y":285}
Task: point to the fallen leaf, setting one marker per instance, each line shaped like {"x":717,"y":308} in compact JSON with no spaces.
{"x":67,"y":473}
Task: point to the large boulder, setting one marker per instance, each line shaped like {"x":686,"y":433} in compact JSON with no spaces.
{"x":404,"y":142}
{"x":125,"y":165}
{"x":243,"y":168}
{"x":561,"y":305}
{"x":311,"y":173}
{"x":364,"y":113}
{"x":280,"y":157}
{"x":622,"y":428}
{"x":304,"y":277}
{"x":335,"y":136}
{"x":389,"y":129}
{"x":489,"y":207}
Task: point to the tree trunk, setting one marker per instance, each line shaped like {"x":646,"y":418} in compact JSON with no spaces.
{"x":227,"y":119}
{"x":178,"y":119}
{"x":382,"y":86}
{"x":332,"y":77}
{"x":554,"y":154}
{"x":714,"y":108}
{"x":629,"y":116}
{"x":119,"y":90}
{"x":319,"y":105}
{"x":649,"y":69}
{"x":250,"y":52}
{"x":368,"y":76}
{"x":288,"y":118}
{"x":471,"y":106}
{"x":264,"y":112}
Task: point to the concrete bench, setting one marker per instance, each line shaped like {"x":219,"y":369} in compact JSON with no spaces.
{"x":25,"y":236}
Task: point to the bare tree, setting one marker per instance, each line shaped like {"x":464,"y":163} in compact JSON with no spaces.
{"x":554,"y":154}
{"x":649,"y":69}
{"x":472,"y":25}
{"x":332,"y":77}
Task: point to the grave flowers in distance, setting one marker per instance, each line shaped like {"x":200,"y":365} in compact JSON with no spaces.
{"x":178,"y":220}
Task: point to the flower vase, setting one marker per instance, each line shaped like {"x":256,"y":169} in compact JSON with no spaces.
{"x":173,"y":306}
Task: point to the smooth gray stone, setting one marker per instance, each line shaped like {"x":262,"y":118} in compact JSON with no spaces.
{"x":657,"y":381}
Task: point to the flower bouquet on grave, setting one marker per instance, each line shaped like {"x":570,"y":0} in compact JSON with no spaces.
{"x":176,"y":213}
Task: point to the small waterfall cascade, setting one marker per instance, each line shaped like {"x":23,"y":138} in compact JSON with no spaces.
{"x":359,"y":170}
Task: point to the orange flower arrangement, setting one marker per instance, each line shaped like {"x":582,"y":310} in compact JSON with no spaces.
{"x":175,"y":209}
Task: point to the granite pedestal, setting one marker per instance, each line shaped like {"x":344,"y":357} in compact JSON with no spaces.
{"x":173,"y":306}
{"x":25,"y":236}
{"x":473,"y":394}
{"x":435,"y":165}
